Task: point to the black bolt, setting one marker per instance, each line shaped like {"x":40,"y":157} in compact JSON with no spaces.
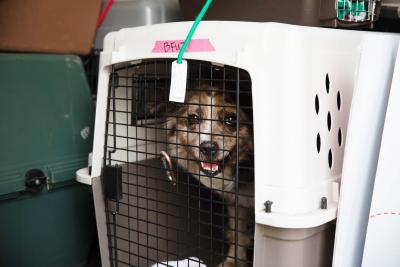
{"x":268,"y":205}
{"x":324,"y":203}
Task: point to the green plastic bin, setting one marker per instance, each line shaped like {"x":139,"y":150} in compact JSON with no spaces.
{"x":46,"y":118}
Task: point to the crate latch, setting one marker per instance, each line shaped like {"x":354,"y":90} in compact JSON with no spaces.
{"x":35,"y":180}
{"x":112,"y":182}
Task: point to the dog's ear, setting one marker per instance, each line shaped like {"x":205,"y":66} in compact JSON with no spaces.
{"x":168,"y":109}
{"x":196,"y":87}
{"x":159,"y":105}
{"x":172,"y":111}
{"x":167,"y":113}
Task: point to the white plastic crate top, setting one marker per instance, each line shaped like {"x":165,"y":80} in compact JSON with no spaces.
{"x":292,"y":68}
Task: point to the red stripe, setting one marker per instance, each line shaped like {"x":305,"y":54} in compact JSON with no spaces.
{"x":104,"y":12}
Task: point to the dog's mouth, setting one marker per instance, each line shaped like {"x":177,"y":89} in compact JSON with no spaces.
{"x":213,"y":168}
{"x":210,"y":168}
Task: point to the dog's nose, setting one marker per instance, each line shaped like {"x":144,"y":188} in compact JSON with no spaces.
{"x":209,"y":148}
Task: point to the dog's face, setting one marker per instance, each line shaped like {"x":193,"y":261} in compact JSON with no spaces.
{"x":202,"y":138}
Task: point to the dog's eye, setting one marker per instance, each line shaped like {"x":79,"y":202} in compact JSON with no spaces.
{"x":193,"y":119}
{"x":230,"y":120}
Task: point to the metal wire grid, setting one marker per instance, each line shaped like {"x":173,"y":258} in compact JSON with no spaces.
{"x":355,"y":10}
{"x":155,"y":221}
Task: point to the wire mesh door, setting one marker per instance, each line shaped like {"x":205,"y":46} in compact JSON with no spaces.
{"x":178,"y":178}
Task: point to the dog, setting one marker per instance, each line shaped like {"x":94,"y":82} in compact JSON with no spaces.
{"x":202,"y":140}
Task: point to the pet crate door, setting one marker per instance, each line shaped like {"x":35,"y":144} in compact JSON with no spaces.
{"x":207,"y":146}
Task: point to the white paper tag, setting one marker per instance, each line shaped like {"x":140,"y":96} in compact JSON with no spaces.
{"x":178,"y":82}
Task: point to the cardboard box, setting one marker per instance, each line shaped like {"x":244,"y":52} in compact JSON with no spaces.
{"x":48,"y":26}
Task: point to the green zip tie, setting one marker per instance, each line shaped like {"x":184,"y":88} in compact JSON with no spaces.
{"x":193,"y":29}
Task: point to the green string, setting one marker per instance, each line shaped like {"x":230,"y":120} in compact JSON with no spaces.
{"x":193,"y":29}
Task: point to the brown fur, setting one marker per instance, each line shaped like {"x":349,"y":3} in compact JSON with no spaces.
{"x":201,"y":119}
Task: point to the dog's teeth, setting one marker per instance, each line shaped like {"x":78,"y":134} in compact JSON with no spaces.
{"x":209,"y":166}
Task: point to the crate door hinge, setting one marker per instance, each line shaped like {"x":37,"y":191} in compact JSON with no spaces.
{"x":112,"y":182}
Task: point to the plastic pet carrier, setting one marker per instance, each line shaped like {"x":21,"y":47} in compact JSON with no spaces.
{"x":246,"y":171}
{"x":47,"y":115}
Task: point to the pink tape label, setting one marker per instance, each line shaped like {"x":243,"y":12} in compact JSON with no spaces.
{"x":174,"y":46}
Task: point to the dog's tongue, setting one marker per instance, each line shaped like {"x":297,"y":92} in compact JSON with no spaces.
{"x":209,"y":166}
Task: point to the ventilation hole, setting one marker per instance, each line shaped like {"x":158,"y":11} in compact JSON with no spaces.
{"x":316,"y":104}
{"x":330,"y":158}
{"x":329,"y":121}
{"x":327,"y":83}
{"x":339,"y":100}
{"x":340,"y":137}
{"x":318,"y":142}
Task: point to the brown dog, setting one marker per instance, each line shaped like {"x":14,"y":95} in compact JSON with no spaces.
{"x":203,"y":138}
